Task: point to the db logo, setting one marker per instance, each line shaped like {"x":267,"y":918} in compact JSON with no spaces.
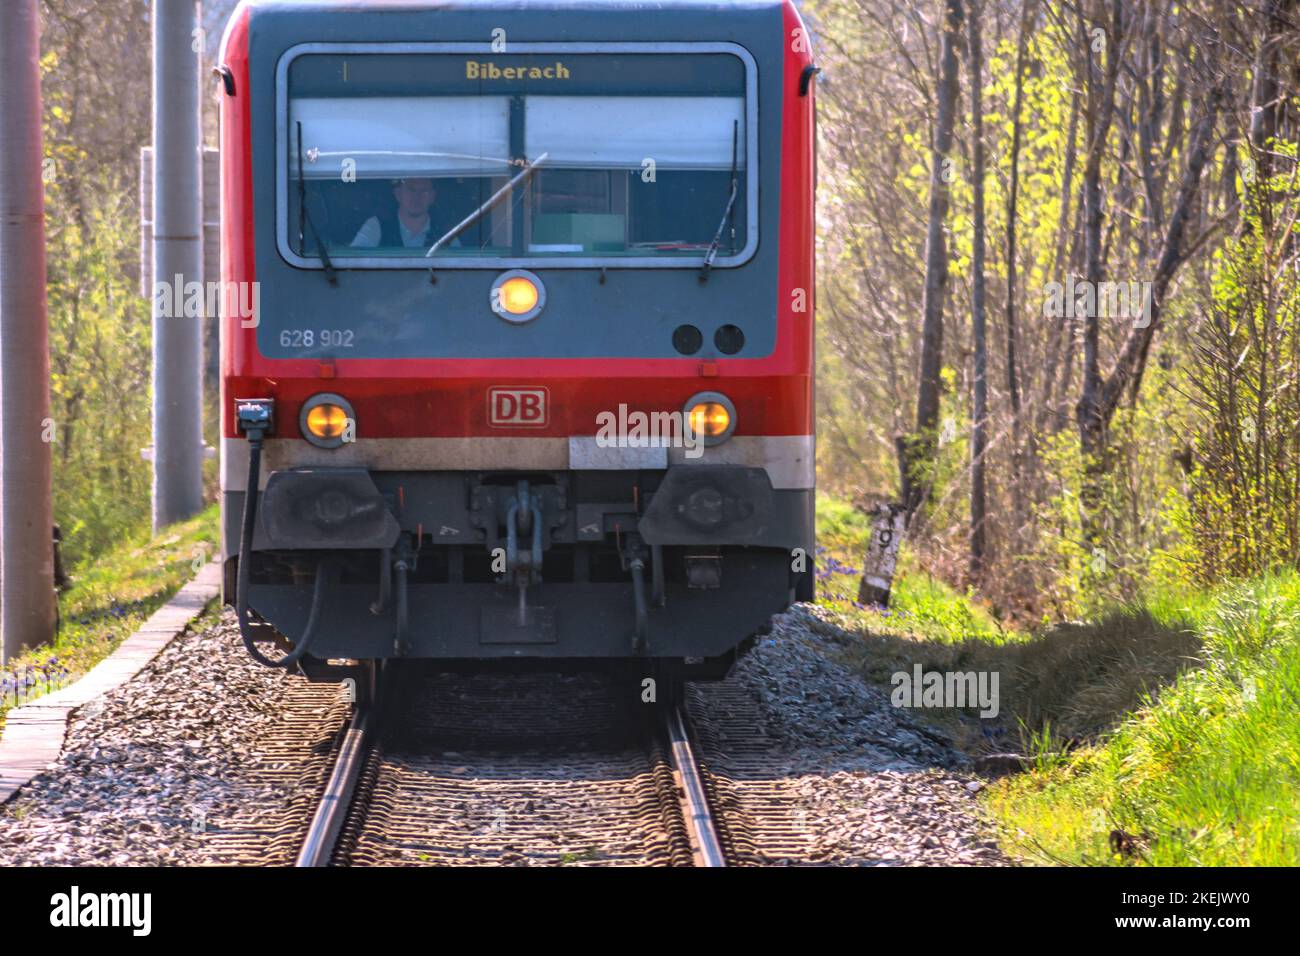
{"x":517,"y":407}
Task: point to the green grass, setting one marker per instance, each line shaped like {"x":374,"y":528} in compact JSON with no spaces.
{"x":110,"y":598}
{"x":840,"y":526}
{"x":1164,"y":732}
{"x":927,"y":621}
{"x":1061,"y":685}
{"x":1207,"y":773}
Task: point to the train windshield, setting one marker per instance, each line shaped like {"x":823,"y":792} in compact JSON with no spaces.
{"x":642,"y":158}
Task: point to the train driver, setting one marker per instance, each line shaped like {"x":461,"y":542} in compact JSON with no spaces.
{"x":410,"y":225}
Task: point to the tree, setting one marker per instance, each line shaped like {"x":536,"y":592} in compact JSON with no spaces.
{"x":917,"y":456}
{"x":1013,"y":195}
{"x":979,"y":404}
{"x":1101,"y":132}
{"x":1101,"y":395}
{"x":1098,"y":114}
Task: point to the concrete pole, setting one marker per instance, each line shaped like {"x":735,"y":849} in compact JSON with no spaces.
{"x":26,"y":430}
{"x":178,"y":262}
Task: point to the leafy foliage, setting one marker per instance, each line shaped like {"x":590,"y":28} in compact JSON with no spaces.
{"x":100,"y":381}
{"x":1243,"y":517}
{"x":1068,"y":532}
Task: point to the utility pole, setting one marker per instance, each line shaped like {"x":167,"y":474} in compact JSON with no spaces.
{"x":26,"y":430}
{"x":178,"y":261}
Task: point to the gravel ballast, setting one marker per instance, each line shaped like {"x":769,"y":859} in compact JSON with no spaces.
{"x":150,"y":771}
{"x":860,"y":780}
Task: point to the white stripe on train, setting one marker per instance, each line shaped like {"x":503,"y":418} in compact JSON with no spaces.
{"x":788,"y":459}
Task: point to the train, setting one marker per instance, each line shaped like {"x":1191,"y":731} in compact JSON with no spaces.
{"x":530,"y":379}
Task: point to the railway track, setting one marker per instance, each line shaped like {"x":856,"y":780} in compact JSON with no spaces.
{"x":332,"y":810}
{"x":524,"y":770}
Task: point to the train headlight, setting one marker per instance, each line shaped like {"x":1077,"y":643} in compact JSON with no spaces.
{"x":518,"y":296}
{"x":712,"y":417}
{"x":327,"y":420}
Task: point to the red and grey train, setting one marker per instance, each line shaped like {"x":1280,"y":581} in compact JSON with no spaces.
{"x":531,"y":373}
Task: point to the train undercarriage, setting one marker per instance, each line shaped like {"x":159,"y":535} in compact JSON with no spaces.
{"x":668,"y":573}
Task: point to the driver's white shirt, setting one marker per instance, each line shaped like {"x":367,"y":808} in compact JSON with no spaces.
{"x":371,"y":232}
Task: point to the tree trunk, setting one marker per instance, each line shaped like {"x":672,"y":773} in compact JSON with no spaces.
{"x":1098,"y":114}
{"x":979,"y":410}
{"x":1267,"y":95}
{"x":1065,"y":228}
{"x":1268,"y":101}
{"x":1013,"y":191}
{"x":1132,"y":355}
{"x":920,"y":448}
{"x":1100,"y":397}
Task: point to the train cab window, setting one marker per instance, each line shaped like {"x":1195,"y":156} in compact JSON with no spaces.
{"x":397,"y":160}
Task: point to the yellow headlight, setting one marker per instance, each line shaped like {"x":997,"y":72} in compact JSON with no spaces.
{"x":709,"y":419}
{"x":517,"y":295}
{"x":327,"y":421}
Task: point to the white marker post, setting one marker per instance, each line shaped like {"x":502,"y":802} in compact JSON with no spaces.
{"x":888,"y":523}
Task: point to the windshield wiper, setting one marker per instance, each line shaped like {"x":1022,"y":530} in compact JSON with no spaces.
{"x":477,"y":214}
{"x":730,"y":211}
{"x":305,"y":217}
{"x":409,"y":153}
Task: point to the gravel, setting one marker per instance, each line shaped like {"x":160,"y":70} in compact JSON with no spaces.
{"x":149,"y":772}
{"x":863,"y":782}
{"x":827,"y":713}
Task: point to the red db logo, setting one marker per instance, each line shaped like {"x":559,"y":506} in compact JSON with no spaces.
{"x":517,"y":407}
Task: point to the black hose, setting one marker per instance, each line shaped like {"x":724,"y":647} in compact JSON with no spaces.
{"x":403,"y":608}
{"x":657,"y":573}
{"x":385,"y":581}
{"x":638,"y":597}
{"x":242,"y":611}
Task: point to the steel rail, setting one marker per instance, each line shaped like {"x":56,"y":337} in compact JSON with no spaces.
{"x":700,"y":825}
{"x":322,"y":835}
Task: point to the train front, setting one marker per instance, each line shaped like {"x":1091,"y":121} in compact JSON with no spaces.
{"x":527,"y":371}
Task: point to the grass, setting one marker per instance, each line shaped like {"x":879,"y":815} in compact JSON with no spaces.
{"x":1207,"y":773}
{"x":1166,"y":732}
{"x":1069,"y":682}
{"x":109,"y":599}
